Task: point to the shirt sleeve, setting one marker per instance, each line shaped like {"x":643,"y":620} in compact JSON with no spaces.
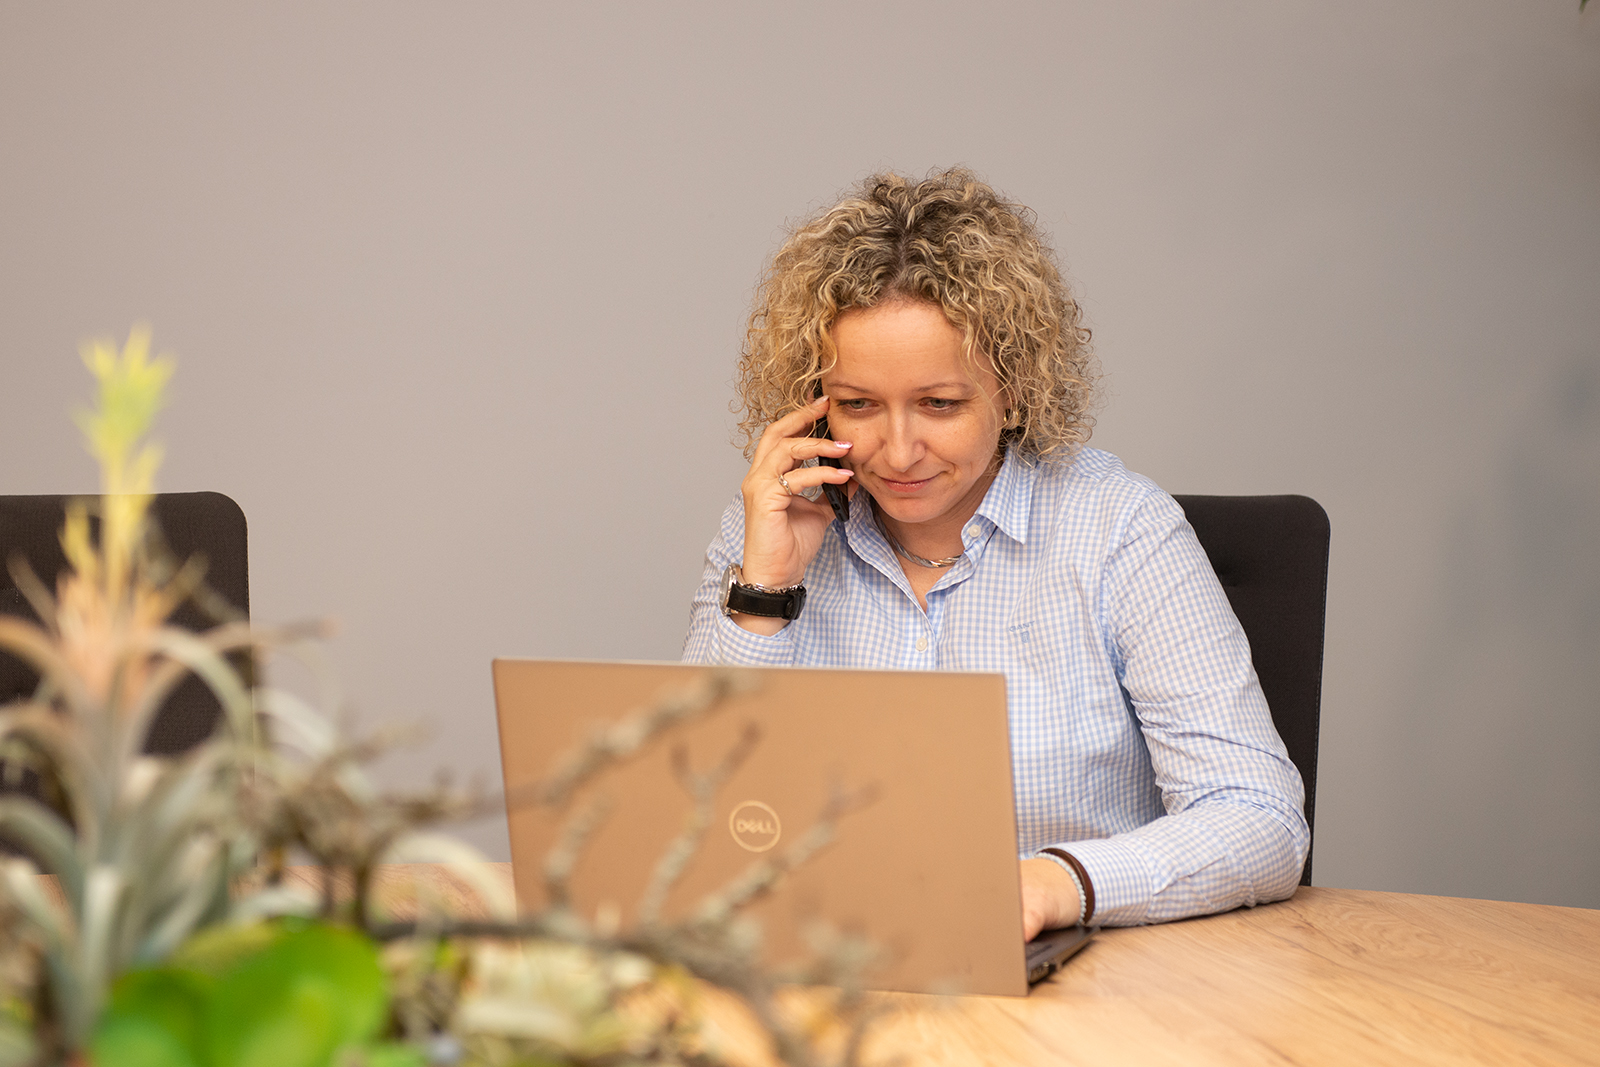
{"x":714,"y":638}
{"x":1235,"y":831}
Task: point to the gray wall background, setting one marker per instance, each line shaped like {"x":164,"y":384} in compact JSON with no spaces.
{"x":456,"y":291}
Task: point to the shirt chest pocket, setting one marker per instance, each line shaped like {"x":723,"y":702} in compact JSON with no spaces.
{"x":1068,"y":660}
{"x":1054,"y":639}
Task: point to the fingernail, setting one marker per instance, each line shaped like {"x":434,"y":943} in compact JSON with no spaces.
{"x":820,"y":400}
{"x":843,"y":444}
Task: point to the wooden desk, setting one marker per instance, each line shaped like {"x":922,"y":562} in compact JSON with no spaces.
{"x":1333,"y":976}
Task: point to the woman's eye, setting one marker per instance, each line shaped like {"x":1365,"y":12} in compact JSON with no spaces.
{"x":852,"y":405}
{"x":941,"y":403}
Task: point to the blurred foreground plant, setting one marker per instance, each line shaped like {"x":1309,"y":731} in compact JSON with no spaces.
{"x":171,"y":935}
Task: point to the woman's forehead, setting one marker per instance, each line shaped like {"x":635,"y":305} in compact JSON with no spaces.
{"x":904,"y":345}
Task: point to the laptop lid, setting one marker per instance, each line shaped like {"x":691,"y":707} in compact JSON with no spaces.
{"x":928,"y":869}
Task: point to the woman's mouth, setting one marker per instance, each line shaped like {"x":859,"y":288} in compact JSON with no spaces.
{"x":903,"y":487}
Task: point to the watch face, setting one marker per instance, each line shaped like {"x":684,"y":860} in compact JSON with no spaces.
{"x":729,"y":576}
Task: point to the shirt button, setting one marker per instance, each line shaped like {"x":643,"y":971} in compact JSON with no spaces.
{"x":922,"y":644}
{"x":973,"y":531}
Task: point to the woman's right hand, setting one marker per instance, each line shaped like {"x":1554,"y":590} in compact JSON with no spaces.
{"x":782,"y":529}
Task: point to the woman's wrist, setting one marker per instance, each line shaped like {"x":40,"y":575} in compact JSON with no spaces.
{"x":770,"y":573}
{"x":760,"y":607}
{"x":771,"y":579}
{"x":1080,"y":881}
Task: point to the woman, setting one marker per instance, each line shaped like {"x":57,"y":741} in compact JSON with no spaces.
{"x":927,"y":324}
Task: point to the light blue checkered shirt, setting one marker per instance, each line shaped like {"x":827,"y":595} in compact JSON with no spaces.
{"x":1140,"y":740}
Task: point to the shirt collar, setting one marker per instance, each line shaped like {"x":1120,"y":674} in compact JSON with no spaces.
{"x":1006,"y":505}
{"x":1010,"y":496}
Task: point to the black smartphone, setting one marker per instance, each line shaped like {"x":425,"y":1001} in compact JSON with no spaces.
{"x":835,"y":493}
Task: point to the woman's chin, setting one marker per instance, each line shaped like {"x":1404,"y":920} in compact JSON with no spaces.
{"x":908,"y":510}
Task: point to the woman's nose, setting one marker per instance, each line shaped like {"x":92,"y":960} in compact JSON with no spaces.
{"x":901,"y":447}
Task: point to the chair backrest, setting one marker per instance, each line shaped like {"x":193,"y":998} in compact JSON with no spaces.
{"x":205,"y":524}
{"x":1271,"y":555}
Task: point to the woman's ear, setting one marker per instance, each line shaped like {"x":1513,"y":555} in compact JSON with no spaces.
{"x":1012,"y":408}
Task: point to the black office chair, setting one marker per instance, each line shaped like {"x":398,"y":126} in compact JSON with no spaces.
{"x":207,"y":524}
{"x":1271,"y":554}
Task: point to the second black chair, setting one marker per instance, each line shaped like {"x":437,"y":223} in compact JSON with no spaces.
{"x":1271,"y":555}
{"x":206,"y":524}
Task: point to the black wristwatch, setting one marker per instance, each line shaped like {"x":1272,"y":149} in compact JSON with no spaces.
{"x":738,"y":595}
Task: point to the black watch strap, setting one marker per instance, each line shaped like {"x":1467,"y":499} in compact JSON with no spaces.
{"x":759,"y":600}
{"x":748,"y":601}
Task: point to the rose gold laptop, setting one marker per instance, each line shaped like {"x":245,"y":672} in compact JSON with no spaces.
{"x":927,"y":869}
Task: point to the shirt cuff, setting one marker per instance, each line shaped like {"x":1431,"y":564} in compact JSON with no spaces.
{"x":1120,"y":874}
{"x":736,"y":646}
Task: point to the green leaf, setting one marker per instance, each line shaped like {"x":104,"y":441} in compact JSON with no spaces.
{"x":216,"y":949}
{"x":302,"y":1029}
{"x":156,"y":1017}
{"x":138,"y":1043}
{"x":309,"y":993}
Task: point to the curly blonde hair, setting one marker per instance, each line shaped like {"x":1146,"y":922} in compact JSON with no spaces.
{"x":948,"y":239}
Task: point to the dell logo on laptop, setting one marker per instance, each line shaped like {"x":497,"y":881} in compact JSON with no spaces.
{"x":754,"y":826}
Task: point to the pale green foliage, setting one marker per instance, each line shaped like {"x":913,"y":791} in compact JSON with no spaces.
{"x":156,"y":945}
{"x":144,"y":850}
{"x":17,"y":1046}
{"x":131,"y":389}
{"x":17,"y":976}
{"x":543,"y":996}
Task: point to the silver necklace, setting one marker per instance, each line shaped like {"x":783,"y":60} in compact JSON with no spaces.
{"x":903,"y":551}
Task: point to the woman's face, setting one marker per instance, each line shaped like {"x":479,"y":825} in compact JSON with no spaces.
{"x":925,"y":424}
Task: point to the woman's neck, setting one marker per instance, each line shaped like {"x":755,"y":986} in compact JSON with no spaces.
{"x":940,"y":537}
